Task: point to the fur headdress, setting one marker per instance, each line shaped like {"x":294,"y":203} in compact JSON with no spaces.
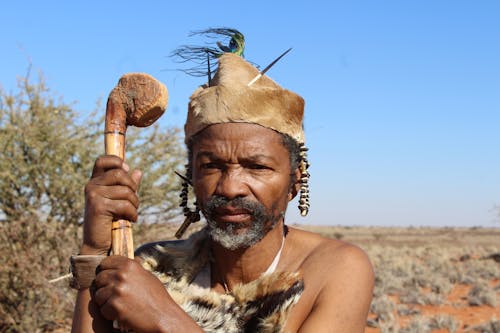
{"x":230,"y":99}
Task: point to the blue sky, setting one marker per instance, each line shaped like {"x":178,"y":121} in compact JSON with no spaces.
{"x":402,"y":97}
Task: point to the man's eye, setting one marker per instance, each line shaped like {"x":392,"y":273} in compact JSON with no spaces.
{"x":209,"y":166}
{"x":258,"y":167}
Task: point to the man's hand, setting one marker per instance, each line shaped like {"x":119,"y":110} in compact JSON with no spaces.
{"x":111,"y":194}
{"x":126,"y":292}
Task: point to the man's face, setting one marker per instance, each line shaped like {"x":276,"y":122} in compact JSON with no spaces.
{"x":241,"y":178}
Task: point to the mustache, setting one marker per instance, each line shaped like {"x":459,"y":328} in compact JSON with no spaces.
{"x":254,"y":208}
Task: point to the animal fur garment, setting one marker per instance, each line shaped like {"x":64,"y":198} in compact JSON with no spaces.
{"x":259,"y":306}
{"x":229,"y":99}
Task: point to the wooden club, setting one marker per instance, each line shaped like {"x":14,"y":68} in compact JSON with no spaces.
{"x":137,"y":100}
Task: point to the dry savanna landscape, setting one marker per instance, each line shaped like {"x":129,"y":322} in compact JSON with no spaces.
{"x":427,"y":279}
{"x":430,"y":279}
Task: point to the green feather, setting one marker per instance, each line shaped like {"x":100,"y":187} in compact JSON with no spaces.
{"x":203,"y":57}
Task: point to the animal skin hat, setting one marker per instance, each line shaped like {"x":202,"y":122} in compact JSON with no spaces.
{"x":229,"y":99}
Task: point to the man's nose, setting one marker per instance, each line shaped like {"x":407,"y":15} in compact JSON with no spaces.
{"x":232,"y":183}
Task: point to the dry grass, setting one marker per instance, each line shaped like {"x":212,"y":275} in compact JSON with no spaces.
{"x":430,"y":279}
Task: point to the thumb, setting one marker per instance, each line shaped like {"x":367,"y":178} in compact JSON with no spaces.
{"x":136,"y":176}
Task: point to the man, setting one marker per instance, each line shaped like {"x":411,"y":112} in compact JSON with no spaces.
{"x":246,"y":271}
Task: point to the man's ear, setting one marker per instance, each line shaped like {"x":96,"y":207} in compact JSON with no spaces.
{"x":295,"y":185}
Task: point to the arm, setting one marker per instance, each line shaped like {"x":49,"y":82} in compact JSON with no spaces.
{"x":126,"y":292}
{"x":110,"y":193}
{"x":343,"y":301}
{"x":86,"y":317}
{"x":123,"y":291}
{"x":136,"y":298}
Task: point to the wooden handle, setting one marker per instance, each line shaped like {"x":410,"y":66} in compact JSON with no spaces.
{"x":138,"y":100}
{"x":122,"y":241}
{"x":121,"y":231}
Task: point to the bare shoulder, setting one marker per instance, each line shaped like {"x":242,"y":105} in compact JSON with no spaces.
{"x":320,"y":254}
{"x":338,"y":279}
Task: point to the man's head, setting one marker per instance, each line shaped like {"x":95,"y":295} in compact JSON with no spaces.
{"x":247,"y":156}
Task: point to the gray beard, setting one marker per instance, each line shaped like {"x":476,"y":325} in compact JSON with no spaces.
{"x":234,"y":236}
{"x":231,"y":238}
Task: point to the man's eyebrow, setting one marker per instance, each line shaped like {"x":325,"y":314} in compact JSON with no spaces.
{"x":255,"y":157}
{"x":208,"y":154}
{"x":260,"y":157}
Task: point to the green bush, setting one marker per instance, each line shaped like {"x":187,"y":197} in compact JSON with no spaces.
{"x":47,"y":152}
{"x":45,"y":155}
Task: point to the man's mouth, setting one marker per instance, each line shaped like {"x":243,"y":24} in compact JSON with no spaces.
{"x":232,"y":215}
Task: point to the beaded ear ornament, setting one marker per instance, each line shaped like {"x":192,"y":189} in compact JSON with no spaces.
{"x":304,"y":181}
{"x":190,"y":216}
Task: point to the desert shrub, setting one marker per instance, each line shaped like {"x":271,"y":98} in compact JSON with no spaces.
{"x":417,"y":296}
{"x":473,"y":270}
{"x":482,"y":294}
{"x":44,"y":156}
{"x":420,"y":324}
{"x":492,"y":326}
{"x":383,"y":307}
{"x":417,"y":324}
{"x":387,"y":284}
{"x":47,"y":153}
{"x":390,"y":272}
{"x":405,"y":310}
{"x":32,"y":254}
{"x":338,"y":235}
{"x":443,"y":321}
{"x":391,"y":326}
{"x":158,"y":152}
{"x":441,"y":285}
